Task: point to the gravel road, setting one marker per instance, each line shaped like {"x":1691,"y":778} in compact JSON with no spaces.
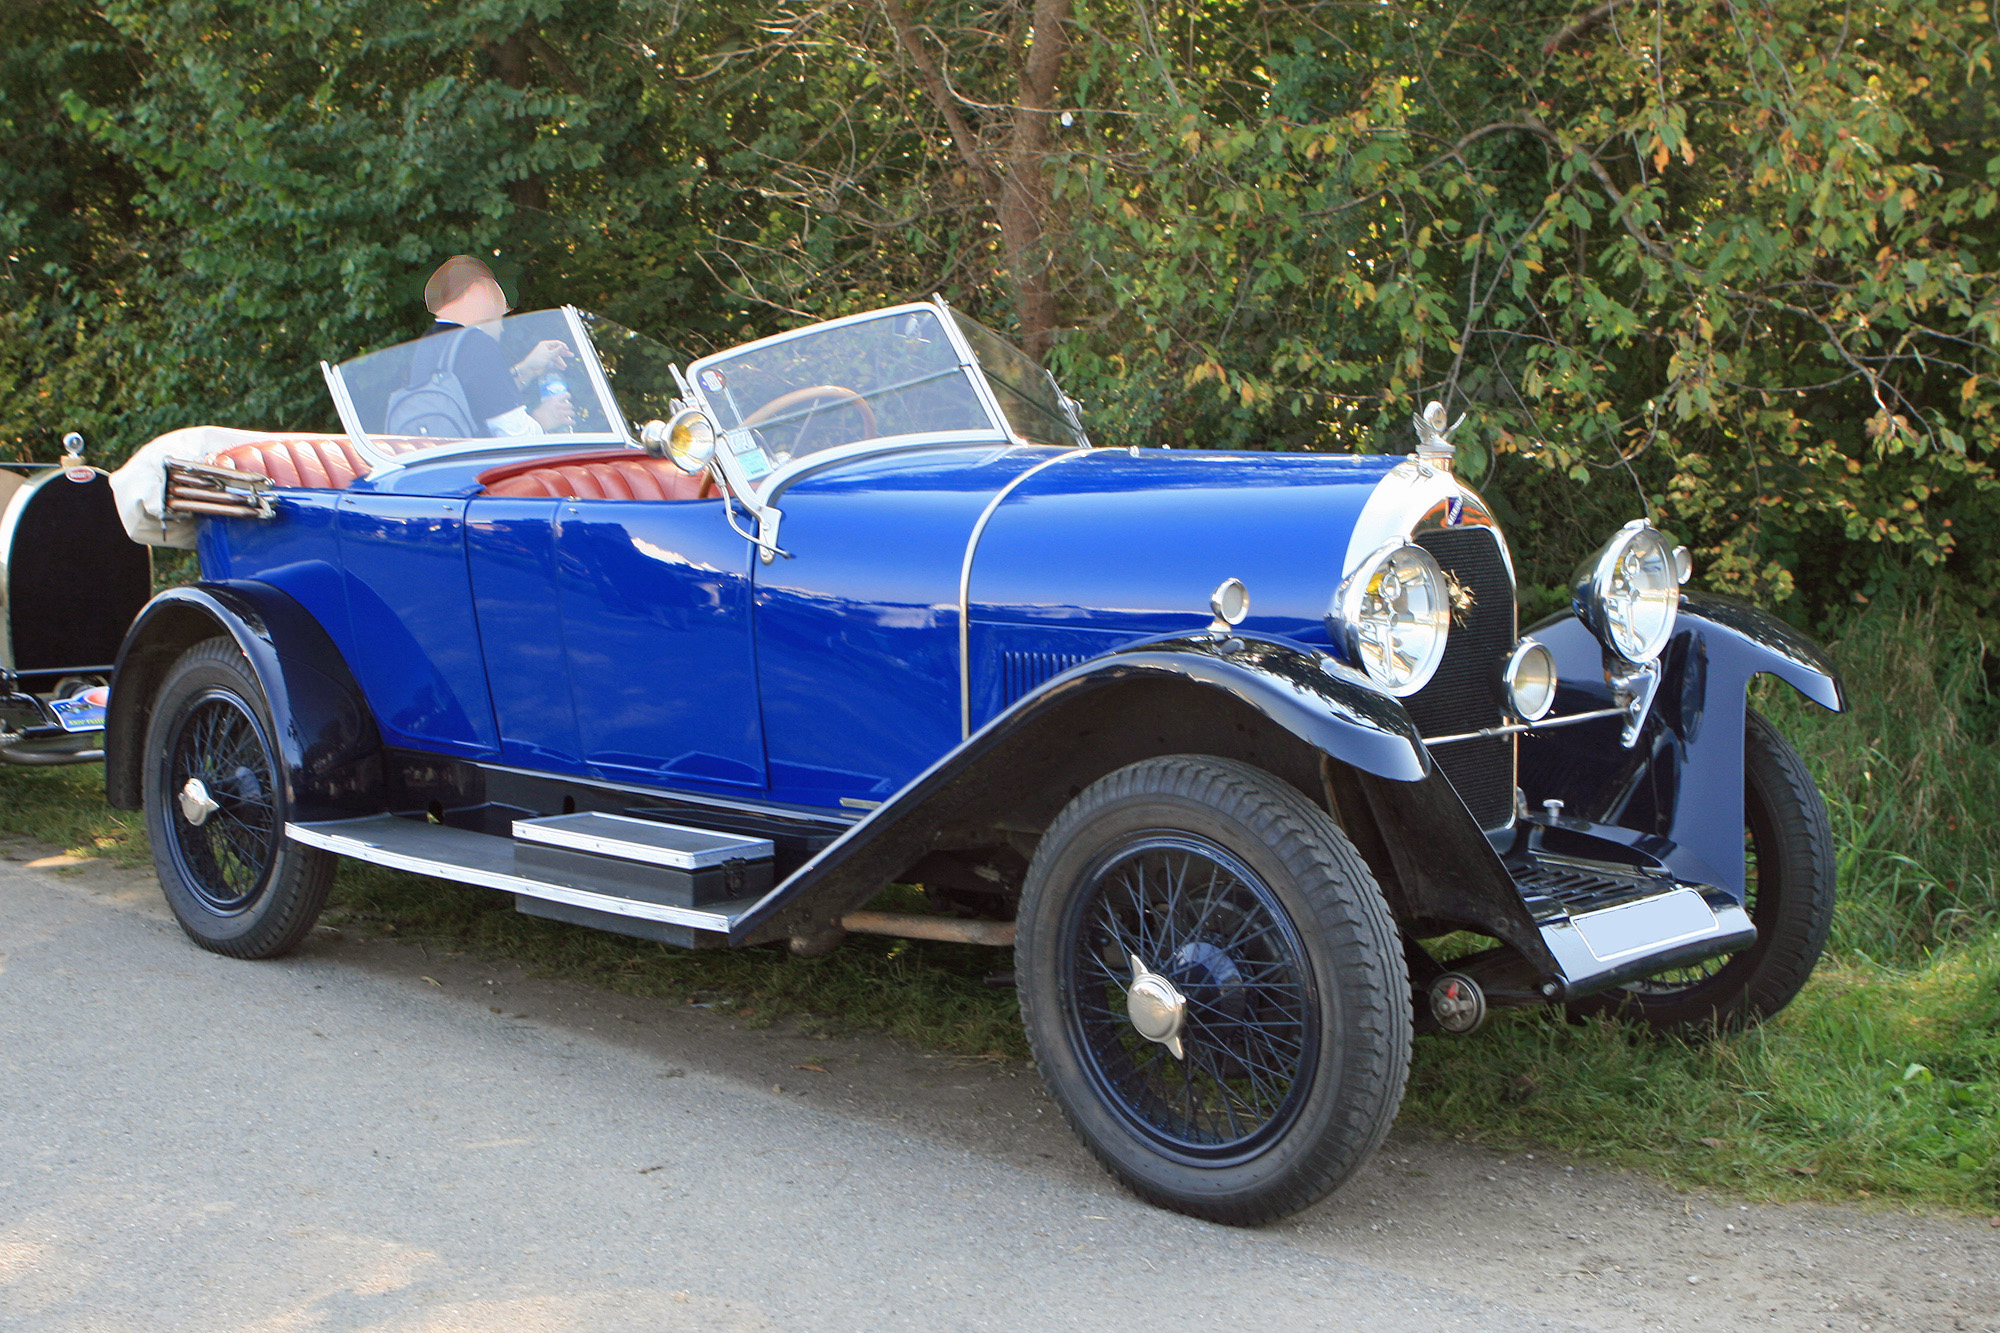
{"x":369,"y":1135}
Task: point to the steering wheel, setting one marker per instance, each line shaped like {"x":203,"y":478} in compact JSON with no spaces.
{"x":808,"y":394}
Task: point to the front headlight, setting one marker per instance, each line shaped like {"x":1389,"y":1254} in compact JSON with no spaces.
{"x":1391,"y":617}
{"x":688,"y":440}
{"x":1629,"y":592}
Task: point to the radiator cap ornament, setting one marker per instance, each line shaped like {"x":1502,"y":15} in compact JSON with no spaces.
{"x":1434,"y":437}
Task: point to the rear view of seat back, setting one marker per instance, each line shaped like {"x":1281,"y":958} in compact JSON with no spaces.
{"x":320,"y":462}
{"x":621,"y":476}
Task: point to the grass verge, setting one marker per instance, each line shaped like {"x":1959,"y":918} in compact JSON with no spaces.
{"x":1882,"y":1080}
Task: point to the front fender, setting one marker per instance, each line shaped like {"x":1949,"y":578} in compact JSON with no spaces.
{"x":325,"y":733}
{"x":1266,"y":701}
{"x":1680,"y":786}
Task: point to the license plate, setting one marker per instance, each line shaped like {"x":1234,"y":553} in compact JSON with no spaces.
{"x":79,"y":714}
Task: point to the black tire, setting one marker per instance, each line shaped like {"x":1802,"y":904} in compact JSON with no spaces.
{"x":235,"y":882}
{"x":1288,"y":969}
{"x":1790,"y":882}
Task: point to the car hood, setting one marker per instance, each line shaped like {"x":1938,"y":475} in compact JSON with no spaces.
{"x":1137,"y":541}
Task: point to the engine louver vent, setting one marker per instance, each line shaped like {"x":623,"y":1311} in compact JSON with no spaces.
{"x":1022,"y":672}
{"x":1462,"y":696}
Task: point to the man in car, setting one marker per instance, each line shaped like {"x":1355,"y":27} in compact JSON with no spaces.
{"x":468,"y":304}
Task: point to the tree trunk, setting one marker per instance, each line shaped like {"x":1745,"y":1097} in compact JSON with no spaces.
{"x":1015,"y":186}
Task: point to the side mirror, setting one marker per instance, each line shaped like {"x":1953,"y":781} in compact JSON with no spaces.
{"x":688,"y":440}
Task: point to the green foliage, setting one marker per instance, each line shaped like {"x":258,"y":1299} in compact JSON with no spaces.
{"x":1736,"y":266}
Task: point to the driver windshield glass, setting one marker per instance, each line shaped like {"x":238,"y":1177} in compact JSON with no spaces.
{"x":523,"y":378}
{"x":897,"y":374}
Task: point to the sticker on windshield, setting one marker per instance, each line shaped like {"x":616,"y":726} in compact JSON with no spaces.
{"x":712,"y":381}
{"x":749,"y":454}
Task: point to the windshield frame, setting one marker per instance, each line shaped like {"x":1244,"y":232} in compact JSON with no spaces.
{"x":618,"y":431}
{"x":999,"y":430}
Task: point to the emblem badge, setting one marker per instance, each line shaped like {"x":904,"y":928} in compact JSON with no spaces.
{"x":80,"y":474}
{"x":1454,"y":511}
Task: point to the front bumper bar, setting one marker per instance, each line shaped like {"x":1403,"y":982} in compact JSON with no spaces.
{"x":1610,"y":924}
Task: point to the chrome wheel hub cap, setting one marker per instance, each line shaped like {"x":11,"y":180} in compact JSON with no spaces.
{"x":1157,"y":1009}
{"x":196,"y":804}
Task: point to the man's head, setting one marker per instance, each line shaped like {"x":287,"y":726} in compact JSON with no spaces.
{"x":464,"y":291}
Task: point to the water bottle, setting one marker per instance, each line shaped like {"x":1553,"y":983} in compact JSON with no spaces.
{"x":551,"y":386}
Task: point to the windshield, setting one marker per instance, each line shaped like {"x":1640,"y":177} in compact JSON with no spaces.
{"x":528,"y":377}
{"x":897,"y":373}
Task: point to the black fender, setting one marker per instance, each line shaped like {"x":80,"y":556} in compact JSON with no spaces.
{"x":326,"y":735}
{"x":1281,"y":706}
{"x":1679,"y":789}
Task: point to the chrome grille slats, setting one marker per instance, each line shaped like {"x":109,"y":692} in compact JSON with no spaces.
{"x":1554,"y":888}
{"x":1463,"y":696}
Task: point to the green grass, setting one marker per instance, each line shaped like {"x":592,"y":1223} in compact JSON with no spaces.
{"x":1881,"y":1080}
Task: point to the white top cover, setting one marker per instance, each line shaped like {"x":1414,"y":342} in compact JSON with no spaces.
{"x":141,"y":485}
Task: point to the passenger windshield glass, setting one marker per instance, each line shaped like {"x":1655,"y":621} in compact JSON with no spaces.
{"x":895,"y":374}
{"x":1027,"y":393}
{"x":528,"y":377}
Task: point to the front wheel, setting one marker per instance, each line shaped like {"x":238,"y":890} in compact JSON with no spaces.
{"x":1213,"y":988}
{"x":216,"y":808}
{"x":1789,"y":883}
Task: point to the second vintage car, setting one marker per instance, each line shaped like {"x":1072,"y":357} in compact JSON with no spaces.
{"x":1244,"y":754}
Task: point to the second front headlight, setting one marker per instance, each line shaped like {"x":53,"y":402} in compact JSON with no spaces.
{"x":1392,"y":615}
{"x":1629,"y":593}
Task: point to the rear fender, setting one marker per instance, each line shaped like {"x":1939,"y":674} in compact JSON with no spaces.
{"x":1680,"y":787}
{"x":1287,"y":709}
{"x":325,"y":734}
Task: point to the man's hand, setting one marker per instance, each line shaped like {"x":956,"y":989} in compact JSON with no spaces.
{"x":555,"y":414}
{"x":549,"y":354}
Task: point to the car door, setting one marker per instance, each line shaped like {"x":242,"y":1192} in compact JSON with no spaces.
{"x":656,"y":606}
{"x":414,"y":645}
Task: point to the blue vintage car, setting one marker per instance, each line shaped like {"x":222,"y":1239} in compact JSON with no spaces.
{"x":1244,"y":754}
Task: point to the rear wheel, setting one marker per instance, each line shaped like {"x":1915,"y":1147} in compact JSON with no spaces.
{"x":1789,"y":882}
{"x":1213,"y":988}
{"x":216,"y":810}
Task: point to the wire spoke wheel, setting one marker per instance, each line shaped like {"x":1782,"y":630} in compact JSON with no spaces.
{"x":216,"y":806}
{"x":1213,"y":987}
{"x":1198,"y":916}
{"x":229,"y":854}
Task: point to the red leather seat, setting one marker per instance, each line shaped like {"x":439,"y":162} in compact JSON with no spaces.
{"x":619,"y":475}
{"x":321,"y":462}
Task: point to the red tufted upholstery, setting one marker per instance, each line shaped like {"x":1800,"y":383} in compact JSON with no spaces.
{"x":322,"y":462}
{"x":620,"y":475}
{"x":318,"y":462}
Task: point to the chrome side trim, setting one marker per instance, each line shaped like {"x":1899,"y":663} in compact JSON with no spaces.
{"x":357,"y":846}
{"x":1515,"y":728}
{"x":767,"y":809}
{"x":965,"y":587}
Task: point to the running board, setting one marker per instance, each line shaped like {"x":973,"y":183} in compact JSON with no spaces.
{"x":552,"y":872}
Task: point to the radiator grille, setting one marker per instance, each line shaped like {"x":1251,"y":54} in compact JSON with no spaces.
{"x":1463,"y":696}
{"x":1551,"y":888}
{"x":1022,"y":672}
